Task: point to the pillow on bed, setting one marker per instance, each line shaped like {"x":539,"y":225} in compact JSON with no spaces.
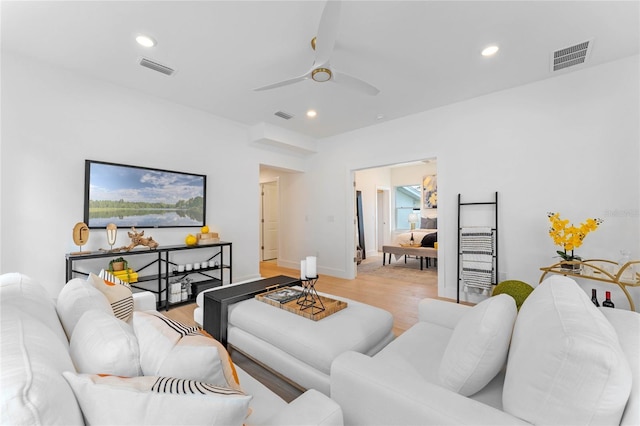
{"x":429,"y":240}
{"x":428,"y":223}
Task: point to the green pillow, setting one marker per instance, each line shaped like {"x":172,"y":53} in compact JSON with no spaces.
{"x":517,"y":289}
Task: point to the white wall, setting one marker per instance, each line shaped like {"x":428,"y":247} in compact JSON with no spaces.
{"x":52,"y":120}
{"x":567,"y":144}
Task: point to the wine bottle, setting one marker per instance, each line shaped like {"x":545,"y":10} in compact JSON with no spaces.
{"x":607,"y":301}
{"x":594,"y":298}
{"x":411,"y":240}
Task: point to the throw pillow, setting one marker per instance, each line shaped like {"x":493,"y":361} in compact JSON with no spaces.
{"x":428,"y":223}
{"x":101,"y":343}
{"x":429,"y":240}
{"x":76,"y":298}
{"x":566,"y":365}
{"x":156,"y":401}
{"x":478,"y":347}
{"x":170,"y":348}
{"x":117,"y":293}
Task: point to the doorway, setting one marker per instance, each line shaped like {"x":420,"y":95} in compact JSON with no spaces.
{"x":386,"y":217}
{"x":269,"y":220}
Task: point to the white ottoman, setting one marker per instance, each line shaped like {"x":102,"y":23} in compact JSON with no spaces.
{"x":302,"y":349}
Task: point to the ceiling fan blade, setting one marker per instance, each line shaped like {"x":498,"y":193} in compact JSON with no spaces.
{"x":327,"y":32}
{"x":354,"y":83}
{"x":283,"y":83}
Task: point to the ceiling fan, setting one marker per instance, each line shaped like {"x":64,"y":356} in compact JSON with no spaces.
{"x":323,"y":45}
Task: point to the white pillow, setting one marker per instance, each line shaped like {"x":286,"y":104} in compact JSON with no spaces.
{"x":33,"y":358}
{"x":478,"y":347}
{"x":169,"y":348}
{"x":75,"y":298}
{"x":565,"y":365}
{"x":117,"y":293}
{"x":153,"y":400}
{"x":32,"y":299}
{"x":101,"y":343}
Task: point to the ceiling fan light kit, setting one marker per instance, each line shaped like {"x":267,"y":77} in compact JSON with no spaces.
{"x":321,"y":74}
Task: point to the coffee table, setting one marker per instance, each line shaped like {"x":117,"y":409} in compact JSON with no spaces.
{"x":216,"y":303}
{"x":300,"y":349}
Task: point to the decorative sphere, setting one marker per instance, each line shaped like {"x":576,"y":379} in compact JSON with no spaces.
{"x":517,"y":289}
{"x":204,"y":229}
{"x":191,"y":240}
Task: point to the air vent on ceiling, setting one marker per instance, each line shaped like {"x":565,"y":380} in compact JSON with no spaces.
{"x":156,"y":66}
{"x":570,"y":56}
{"x":284,"y":115}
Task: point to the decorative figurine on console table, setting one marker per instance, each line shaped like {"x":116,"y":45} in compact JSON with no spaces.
{"x":138,"y":239}
{"x":309,"y":298}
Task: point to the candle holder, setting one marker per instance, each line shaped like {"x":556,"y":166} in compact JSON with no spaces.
{"x":309,"y":298}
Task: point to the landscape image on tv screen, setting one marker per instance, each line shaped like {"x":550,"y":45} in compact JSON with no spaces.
{"x":142,"y":197}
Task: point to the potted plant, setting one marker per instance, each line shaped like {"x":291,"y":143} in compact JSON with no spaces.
{"x":570,"y":237}
{"x":118,"y":264}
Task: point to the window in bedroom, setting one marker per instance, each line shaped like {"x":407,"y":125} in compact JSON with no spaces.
{"x":407,"y":199}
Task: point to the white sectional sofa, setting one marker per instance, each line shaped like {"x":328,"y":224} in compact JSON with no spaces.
{"x":566,"y":362}
{"x":36,"y":358}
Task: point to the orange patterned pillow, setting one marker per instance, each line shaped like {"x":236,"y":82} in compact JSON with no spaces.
{"x":170,"y":348}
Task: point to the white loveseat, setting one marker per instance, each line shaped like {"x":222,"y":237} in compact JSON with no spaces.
{"x":36,"y":352}
{"x":564,"y":362}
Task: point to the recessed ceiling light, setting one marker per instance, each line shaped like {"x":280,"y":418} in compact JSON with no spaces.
{"x":380,"y":117}
{"x":490,"y":50}
{"x":145,"y":41}
{"x":311,"y":113}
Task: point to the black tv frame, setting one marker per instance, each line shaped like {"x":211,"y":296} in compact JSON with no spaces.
{"x":173,"y":181}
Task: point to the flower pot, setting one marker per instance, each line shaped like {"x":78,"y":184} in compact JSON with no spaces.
{"x":117,"y":266}
{"x":573,"y":268}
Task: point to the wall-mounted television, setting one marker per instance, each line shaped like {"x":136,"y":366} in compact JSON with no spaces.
{"x":142,"y":197}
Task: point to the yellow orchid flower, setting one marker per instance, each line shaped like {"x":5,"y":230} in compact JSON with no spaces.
{"x":570,"y":237}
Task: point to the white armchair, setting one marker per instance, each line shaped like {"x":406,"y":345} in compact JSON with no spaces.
{"x":427,"y":375}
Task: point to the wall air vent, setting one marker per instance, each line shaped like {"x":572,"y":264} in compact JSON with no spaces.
{"x":570,"y":56}
{"x":148,"y":63}
{"x":284,"y":115}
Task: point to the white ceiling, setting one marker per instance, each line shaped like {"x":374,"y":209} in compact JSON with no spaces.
{"x":420,"y":54}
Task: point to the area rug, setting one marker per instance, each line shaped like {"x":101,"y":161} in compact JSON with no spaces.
{"x":398,"y":270}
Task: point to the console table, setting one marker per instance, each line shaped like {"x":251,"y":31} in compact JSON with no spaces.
{"x":596,"y":269}
{"x":158,"y":268}
{"x":216,"y":302}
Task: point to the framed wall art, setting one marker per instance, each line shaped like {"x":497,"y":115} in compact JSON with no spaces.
{"x":430,"y":192}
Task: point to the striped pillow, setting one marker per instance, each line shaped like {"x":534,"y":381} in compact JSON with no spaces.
{"x":156,"y":400}
{"x":117,"y":293}
{"x":170,"y":348}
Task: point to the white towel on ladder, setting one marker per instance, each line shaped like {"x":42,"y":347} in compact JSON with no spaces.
{"x":476,"y":245}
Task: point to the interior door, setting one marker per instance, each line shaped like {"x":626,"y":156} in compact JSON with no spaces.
{"x":270,"y":220}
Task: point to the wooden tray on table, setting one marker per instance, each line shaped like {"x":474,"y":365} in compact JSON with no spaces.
{"x":286,"y":298}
